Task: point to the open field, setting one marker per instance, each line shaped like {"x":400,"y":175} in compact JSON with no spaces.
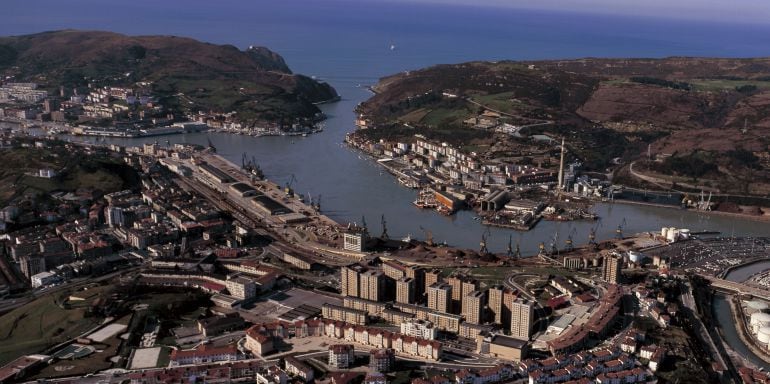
{"x":100,"y":360}
{"x":145,"y":358}
{"x":38,"y":325}
{"x":724,"y":84}
{"x":73,"y":172}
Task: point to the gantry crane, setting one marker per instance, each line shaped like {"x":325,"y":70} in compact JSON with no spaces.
{"x":569,"y":243}
{"x":428,"y":236}
{"x":619,"y":229}
{"x":483,"y":244}
{"x":384,"y":235}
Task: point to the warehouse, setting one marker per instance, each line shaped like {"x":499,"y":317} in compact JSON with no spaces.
{"x":215,"y":173}
{"x":243,"y":189}
{"x":270,"y":206}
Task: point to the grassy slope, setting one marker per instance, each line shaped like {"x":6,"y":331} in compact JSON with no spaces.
{"x":94,"y":174}
{"x":38,"y":325}
{"x":255,"y":82}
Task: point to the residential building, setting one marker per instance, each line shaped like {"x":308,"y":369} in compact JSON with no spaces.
{"x":440,"y":297}
{"x":32,"y":265}
{"x":272,"y":375}
{"x":522,"y":317}
{"x":372,"y":285}
{"x":611,"y":271}
{"x":473,"y":307}
{"x":393,"y":269}
{"x":349,"y":279}
{"x":43,"y":279}
{"x":355,"y":239}
{"x":375,"y":378}
{"x":405,"y":290}
{"x":297,"y":368}
{"x":241,"y":287}
{"x":419,"y":328}
{"x":204,"y":354}
{"x":431,"y":277}
{"x":382,"y":359}
{"x":339,"y":313}
{"x":341,"y":356}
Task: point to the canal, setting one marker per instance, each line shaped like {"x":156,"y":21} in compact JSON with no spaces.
{"x":723,"y":315}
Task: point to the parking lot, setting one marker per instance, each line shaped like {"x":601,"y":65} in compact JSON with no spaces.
{"x":713,"y":255}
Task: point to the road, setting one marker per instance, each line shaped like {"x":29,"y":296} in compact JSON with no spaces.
{"x":689,"y":302}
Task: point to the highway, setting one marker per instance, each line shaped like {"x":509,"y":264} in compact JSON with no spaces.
{"x":737,"y":288}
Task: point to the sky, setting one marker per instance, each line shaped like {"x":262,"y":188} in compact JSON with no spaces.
{"x":749,"y":11}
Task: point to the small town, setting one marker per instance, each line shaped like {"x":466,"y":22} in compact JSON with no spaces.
{"x":133,"y":111}
{"x":384,"y":192}
{"x":262,"y":286}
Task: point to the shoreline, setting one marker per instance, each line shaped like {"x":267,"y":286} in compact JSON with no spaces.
{"x":740,"y":322}
{"x":762,"y":218}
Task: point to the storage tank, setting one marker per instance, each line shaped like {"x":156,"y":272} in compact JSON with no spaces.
{"x":684,"y":233}
{"x":759,"y":306}
{"x":764,"y":335}
{"x":635,"y":257}
{"x":672,"y":234}
{"x":759,"y":320}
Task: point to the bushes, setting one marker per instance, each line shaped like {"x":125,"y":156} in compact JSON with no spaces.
{"x":662,"y":82}
{"x":691,"y":165}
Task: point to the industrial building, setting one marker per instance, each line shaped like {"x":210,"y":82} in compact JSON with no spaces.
{"x":270,"y":206}
{"x":243,"y":189}
{"x":215,"y":173}
{"x":503,"y":347}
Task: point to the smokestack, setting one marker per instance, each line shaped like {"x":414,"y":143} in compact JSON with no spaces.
{"x":561,"y":166}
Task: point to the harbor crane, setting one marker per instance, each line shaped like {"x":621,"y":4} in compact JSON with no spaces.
{"x":483,"y":245}
{"x":592,"y":234}
{"x":288,"y":189}
{"x":384,"y":235}
{"x":428,"y":236}
{"x":619,"y":230}
{"x":570,"y":246}
{"x":514,"y":252}
{"x":554,"y":247}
